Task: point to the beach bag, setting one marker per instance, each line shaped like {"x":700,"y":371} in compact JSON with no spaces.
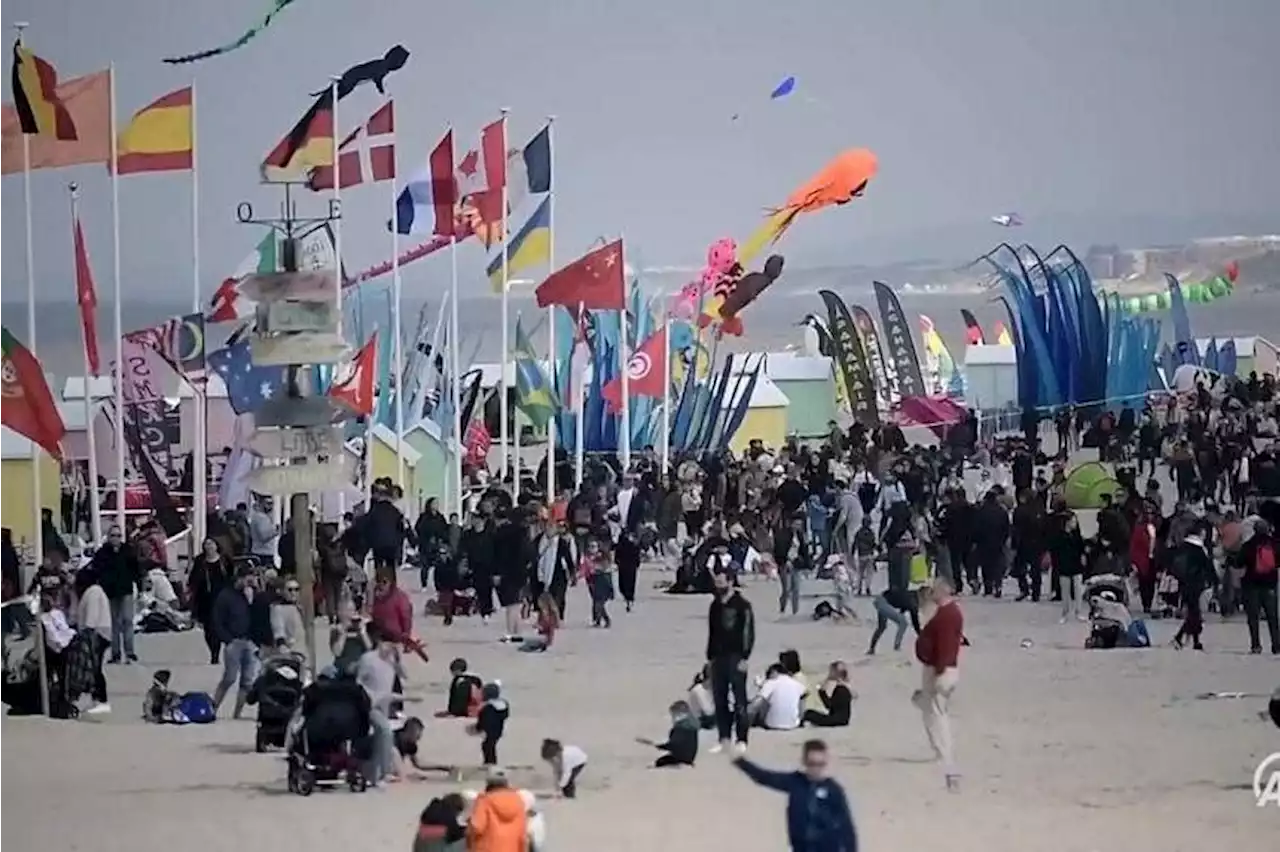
{"x":919,"y":571}
{"x":197,"y":708}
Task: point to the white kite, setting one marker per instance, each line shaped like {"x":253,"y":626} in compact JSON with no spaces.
{"x":1007,"y":220}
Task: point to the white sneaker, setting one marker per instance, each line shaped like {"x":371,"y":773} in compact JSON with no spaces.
{"x":1062,"y":620}
{"x":98,"y":709}
{"x":719,"y":747}
{"x":739,"y":748}
{"x":1082,"y":617}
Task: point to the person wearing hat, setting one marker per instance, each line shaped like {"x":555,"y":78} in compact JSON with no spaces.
{"x":234,"y":628}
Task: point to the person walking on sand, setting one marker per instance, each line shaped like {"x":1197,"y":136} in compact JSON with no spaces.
{"x":938,"y":650}
{"x":819,"y":818}
{"x":731,"y":636}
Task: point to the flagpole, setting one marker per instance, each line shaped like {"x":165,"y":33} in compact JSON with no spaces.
{"x":665,"y":444}
{"x":579,"y":448}
{"x":551,"y":317}
{"x":506,"y":318}
{"x":397,"y":327}
{"x":335,"y":204}
{"x":95,"y":510}
{"x":117,"y":310}
{"x":199,"y":390}
{"x":624,"y":364}
{"x":37,"y":527}
{"x":455,"y":374}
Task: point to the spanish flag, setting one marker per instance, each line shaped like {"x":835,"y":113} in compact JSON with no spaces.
{"x":160,"y":138}
{"x":308,"y":145}
{"x":35,"y":97}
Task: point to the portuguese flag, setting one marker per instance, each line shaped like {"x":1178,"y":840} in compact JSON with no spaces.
{"x":28,"y":407}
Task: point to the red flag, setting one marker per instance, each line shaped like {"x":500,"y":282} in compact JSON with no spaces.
{"x":355,"y":388}
{"x":594,"y":281}
{"x":87,"y":298}
{"x":644,"y":371}
{"x":477,"y":444}
{"x":373,"y":143}
{"x":28,"y":407}
{"x":1233,"y":271}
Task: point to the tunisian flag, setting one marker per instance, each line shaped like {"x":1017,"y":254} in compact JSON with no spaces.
{"x":87,"y":298}
{"x":644,"y":371}
{"x":355,"y":388}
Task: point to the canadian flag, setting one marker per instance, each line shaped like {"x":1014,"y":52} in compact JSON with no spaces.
{"x":645,"y":370}
{"x":355,"y":386}
{"x":367,"y":155}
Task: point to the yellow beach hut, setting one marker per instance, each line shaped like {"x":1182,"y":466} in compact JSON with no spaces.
{"x":17,"y":487}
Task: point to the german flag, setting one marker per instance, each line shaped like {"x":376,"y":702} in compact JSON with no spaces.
{"x":35,"y":97}
{"x":308,"y":145}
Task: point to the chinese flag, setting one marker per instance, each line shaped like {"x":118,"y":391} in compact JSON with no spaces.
{"x":595,"y":281}
{"x":356,"y":388}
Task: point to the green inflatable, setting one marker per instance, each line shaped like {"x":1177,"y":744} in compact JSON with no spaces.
{"x":1087,"y":483}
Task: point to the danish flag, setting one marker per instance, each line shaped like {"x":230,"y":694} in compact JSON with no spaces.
{"x":367,"y":155}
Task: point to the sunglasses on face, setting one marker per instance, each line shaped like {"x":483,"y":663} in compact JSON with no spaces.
{"x":291,"y":588}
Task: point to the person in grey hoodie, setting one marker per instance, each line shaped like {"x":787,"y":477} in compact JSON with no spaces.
{"x":377,"y":672}
{"x":232,"y":624}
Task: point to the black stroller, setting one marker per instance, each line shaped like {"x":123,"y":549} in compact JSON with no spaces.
{"x":278,"y":694}
{"x":334,"y":739}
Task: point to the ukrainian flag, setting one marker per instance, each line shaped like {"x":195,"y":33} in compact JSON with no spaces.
{"x":529,"y":247}
{"x":534,"y":395}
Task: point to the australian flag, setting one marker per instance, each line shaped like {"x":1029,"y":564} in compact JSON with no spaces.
{"x":248,"y":387}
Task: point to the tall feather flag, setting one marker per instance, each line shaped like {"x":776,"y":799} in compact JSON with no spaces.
{"x":534,"y":394}
{"x":87,"y":299}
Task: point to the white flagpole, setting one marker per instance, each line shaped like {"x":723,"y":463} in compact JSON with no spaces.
{"x":551,"y":318}
{"x":95,"y":509}
{"x":118,"y":312}
{"x":336,"y":204}
{"x":199,"y":485}
{"x":580,"y":382}
{"x":503,"y":435}
{"x":665,"y":445}
{"x":37,"y":529}
{"x":624,"y":364}
{"x":455,"y":376}
{"x":397,"y":330}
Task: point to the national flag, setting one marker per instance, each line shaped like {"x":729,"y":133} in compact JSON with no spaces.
{"x":248,"y":386}
{"x":227,"y":303}
{"x":477,"y":443}
{"x":368,"y":155}
{"x":529,"y":169}
{"x":482,"y":175}
{"x":529,"y":247}
{"x":87,"y":299}
{"x":307,"y":146}
{"x":534,"y":395}
{"x":88,"y":101}
{"x":428,"y":201}
{"x":40,"y":109}
{"x":594,"y":281}
{"x":1003,"y":338}
{"x":355,"y":386}
{"x":180,"y":341}
{"x":29,"y":408}
{"x":645,"y":370}
{"x":160,"y":137}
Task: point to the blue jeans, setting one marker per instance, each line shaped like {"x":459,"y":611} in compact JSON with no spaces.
{"x":239,"y":663}
{"x":121,"y":626}
{"x":884,"y":614}
{"x":382,"y":761}
{"x":789,"y":579}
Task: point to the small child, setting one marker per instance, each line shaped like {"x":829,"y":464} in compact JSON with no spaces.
{"x":465,"y":689}
{"x":406,"y":742}
{"x":548,"y":623}
{"x":681,"y":747}
{"x":160,"y":702}
{"x":596,"y":569}
{"x":843,"y":607}
{"x":491,"y":722}
{"x":567,"y":762}
{"x":864,"y":548}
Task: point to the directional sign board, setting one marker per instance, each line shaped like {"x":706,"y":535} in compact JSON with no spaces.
{"x":297,"y":478}
{"x":314,"y":285}
{"x":294,"y":413}
{"x":284,"y":317}
{"x":305,"y":348}
{"x":310,"y":442}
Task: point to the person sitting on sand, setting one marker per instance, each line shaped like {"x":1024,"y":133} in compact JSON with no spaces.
{"x":681,"y":746}
{"x":548,"y":623}
{"x":777,"y":705}
{"x":567,"y":762}
{"x":465,"y":689}
{"x":836,"y":697}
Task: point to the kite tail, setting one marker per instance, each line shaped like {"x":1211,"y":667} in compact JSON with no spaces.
{"x":769,"y":232}
{"x":277,"y":7}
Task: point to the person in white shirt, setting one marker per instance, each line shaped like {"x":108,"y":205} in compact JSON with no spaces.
{"x":93,"y":615}
{"x":778,"y":704}
{"x":567,"y":762}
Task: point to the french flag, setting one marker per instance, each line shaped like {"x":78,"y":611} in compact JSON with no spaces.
{"x":427,"y":203}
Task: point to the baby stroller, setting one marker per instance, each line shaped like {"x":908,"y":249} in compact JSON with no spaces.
{"x":278,"y":693}
{"x":334,"y":738}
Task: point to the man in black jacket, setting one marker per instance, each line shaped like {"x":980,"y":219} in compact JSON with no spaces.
{"x":1028,"y":545}
{"x":991,"y":536}
{"x":477,"y":547}
{"x":385,"y":531}
{"x":120,"y":575}
{"x":731,"y":636}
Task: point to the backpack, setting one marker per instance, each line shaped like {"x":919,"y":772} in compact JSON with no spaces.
{"x":1264,"y":561}
{"x":197,"y":708}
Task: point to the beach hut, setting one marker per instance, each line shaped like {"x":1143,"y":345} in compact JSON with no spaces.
{"x":17,"y":498}
{"x":766,"y":417}
{"x":434,"y":474}
{"x":384,"y":461}
{"x":809,"y":384}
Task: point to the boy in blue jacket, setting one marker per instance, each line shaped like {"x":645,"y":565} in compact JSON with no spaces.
{"x":818,"y":814}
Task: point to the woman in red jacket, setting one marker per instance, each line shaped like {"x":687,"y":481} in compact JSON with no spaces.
{"x":1141,"y":549}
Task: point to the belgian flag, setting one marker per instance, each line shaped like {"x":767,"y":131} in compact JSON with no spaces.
{"x":35,"y":97}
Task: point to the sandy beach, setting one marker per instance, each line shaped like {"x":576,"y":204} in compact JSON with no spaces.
{"x":1062,"y":749}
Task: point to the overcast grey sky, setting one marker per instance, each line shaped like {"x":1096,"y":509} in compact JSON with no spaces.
{"x":1130,"y":119}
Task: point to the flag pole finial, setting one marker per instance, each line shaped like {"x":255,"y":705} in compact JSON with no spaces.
{"x":74,"y":189}
{"x":19,"y":27}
